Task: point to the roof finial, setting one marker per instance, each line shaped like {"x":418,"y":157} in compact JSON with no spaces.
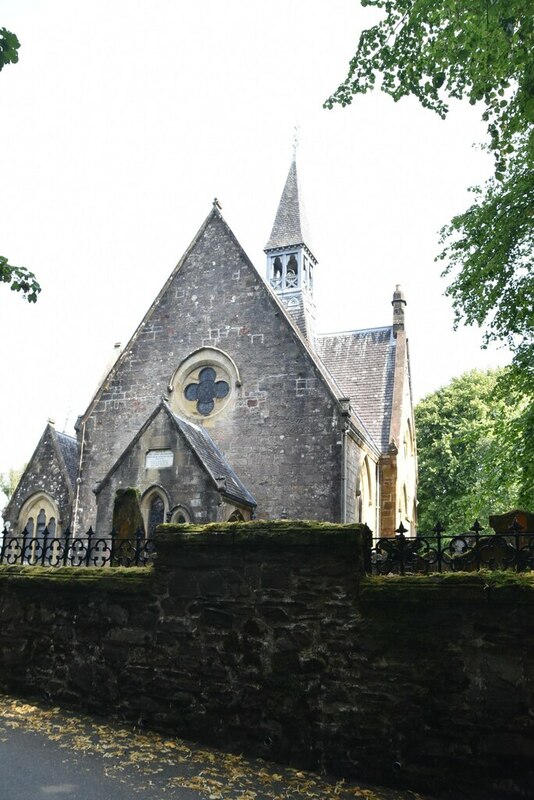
{"x":295,"y":141}
{"x":216,"y":203}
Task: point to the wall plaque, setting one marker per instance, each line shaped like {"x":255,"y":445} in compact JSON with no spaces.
{"x":159,"y":459}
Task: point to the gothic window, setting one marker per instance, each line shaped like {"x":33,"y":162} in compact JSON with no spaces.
{"x":156,"y":513}
{"x":276,"y":280}
{"x":38,"y":516}
{"x":236,"y":516}
{"x":180,"y":515}
{"x":41,"y":524}
{"x":365,"y":505}
{"x":404,"y":509}
{"x":39,"y":513}
{"x":154,"y":505}
{"x":206,"y":391}
{"x":204,"y":383}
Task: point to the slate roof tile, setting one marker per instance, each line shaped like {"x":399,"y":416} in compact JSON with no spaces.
{"x":290,"y":225}
{"x":362,"y":364}
{"x":68,"y":447}
{"x":213,"y":460}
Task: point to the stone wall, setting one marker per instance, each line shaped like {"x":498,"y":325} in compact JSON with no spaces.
{"x":267,"y":638}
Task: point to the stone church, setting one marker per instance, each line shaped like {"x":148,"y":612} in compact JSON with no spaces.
{"x":226,"y":404}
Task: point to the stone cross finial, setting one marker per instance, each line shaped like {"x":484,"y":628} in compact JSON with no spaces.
{"x":216,"y":203}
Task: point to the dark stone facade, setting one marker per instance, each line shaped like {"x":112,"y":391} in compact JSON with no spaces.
{"x":268,"y":638}
{"x":305,"y":426}
{"x":51,"y":471}
{"x":280,"y":431}
{"x":184,"y":483}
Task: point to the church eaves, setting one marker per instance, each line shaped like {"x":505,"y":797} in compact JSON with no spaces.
{"x":290,"y":225}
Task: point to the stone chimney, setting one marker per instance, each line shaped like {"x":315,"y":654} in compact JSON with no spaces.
{"x":398,"y":304}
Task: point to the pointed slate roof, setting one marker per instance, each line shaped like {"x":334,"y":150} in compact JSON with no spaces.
{"x":290,"y":225}
{"x":68,"y":447}
{"x":67,"y":454}
{"x":363,"y":365}
{"x":213,"y":460}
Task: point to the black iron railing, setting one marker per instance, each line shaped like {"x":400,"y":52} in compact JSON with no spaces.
{"x":90,"y":550}
{"x":444,"y":552}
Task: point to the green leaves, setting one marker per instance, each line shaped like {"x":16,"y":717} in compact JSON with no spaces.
{"x":20,"y":279}
{"x":489,"y":254}
{"x":436,"y":49}
{"x":482,"y":51}
{"x":473,"y":459}
{"x":9,"y":44}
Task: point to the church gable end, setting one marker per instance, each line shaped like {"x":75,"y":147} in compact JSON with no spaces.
{"x":47,"y":484}
{"x":216,"y":300}
{"x":176,"y":472}
{"x":225,"y":377}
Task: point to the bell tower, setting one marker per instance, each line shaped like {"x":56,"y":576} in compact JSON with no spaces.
{"x":290,"y":261}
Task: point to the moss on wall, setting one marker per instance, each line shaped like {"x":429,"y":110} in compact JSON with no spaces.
{"x":276,"y":532}
{"x":450,"y":587}
{"x":116,"y":579}
{"x":127,"y":517}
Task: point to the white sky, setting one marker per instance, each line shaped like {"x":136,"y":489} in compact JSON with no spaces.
{"x":121,"y":122}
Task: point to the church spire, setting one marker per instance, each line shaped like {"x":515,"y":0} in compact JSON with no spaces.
{"x":290,"y":225}
{"x":290,"y":261}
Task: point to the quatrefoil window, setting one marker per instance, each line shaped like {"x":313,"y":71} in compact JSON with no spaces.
{"x":206,"y":391}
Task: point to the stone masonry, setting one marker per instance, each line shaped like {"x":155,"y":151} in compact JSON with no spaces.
{"x":268,"y":638}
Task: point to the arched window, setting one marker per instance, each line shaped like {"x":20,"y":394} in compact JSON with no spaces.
{"x":156,"y":513}
{"x":41,"y":524}
{"x":38,"y":516}
{"x":38,"y":513}
{"x":154,"y":507}
{"x":277,"y":271}
{"x":292,"y":269}
{"x":366,"y":508}
{"x":236,"y":516}
{"x":180,"y":515}
{"x":405,"y":502}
